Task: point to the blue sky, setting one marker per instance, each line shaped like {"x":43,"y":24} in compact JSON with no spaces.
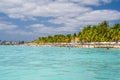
{"x":29,"y":19}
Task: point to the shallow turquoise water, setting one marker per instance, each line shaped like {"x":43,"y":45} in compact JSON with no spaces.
{"x":54,"y":63}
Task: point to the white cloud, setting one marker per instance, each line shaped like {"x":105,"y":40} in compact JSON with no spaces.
{"x":72,"y":15}
{"x":42,"y":29}
{"x":89,"y":18}
{"x":30,"y":8}
{"x":7,"y":26}
{"x":74,"y":24}
{"x":100,"y":15}
{"x":19,"y":32}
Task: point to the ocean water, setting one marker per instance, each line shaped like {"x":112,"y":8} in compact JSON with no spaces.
{"x":58,"y":63}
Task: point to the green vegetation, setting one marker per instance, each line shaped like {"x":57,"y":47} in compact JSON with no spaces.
{"x":97,"y":33}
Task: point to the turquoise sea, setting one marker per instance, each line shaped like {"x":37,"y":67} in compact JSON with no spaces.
{"x":58,"y":63}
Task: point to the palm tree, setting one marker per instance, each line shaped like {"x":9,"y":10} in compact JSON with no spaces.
{"x":97,"y":33}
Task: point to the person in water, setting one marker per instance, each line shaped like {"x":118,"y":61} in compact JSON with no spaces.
{"x":107,"y":48}
{"x":68,"y":46}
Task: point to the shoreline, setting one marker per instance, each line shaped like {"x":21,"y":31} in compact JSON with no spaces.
{"x":79,"y":45}
{"x":76,"y":45}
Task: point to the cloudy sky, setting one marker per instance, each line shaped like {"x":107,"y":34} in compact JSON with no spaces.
{"x":29,"y":19}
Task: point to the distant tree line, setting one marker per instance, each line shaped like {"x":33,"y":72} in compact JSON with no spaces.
{"x":96,"y":33}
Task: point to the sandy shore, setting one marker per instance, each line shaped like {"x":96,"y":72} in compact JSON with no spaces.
{"x":81,"y":45}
